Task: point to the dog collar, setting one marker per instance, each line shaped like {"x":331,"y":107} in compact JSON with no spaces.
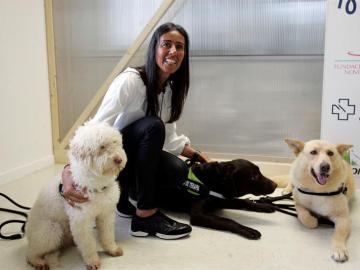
{"x":61,"y":191}
{"x":97,"y":190}
{"x":342,"y":189}
{"x":194,"y":186}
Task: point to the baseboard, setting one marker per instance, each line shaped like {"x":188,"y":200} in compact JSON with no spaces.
{"x":20,"y":171}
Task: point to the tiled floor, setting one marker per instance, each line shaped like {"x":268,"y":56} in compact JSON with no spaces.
{"x":285,"y":244}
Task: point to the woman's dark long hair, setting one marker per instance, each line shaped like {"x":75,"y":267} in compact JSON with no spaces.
{"x":179,"y":81}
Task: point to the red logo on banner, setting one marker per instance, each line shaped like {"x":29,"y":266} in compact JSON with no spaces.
{"x":353,"y":54}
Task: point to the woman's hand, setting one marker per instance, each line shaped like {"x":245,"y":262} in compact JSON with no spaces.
{"x":70,"y":193}
{"x":202,"y":158}
{"x":189,"y":152}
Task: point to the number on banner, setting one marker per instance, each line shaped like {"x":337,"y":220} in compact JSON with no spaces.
{"x":350,"y":6}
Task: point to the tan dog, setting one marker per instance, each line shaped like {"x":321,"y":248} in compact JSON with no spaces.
{"x":322,"y":185}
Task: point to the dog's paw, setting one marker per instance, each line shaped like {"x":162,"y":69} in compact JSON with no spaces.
{"x":311,"y":223}
{"x":42,"y":267}
{"x":308,"y":220}
{"x":117,"y":251}
{"x":40,"y":264}
{"x":93,"y":265}
{"x":250,"y":233}
{"x":339,"y":254}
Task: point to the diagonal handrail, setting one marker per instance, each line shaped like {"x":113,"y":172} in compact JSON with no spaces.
{"x":165,"y":5}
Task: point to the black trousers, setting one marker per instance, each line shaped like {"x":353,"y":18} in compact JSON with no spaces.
{"x":149,"y":171}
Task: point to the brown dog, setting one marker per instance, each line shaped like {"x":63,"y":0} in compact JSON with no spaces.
{"x":230,"y":180}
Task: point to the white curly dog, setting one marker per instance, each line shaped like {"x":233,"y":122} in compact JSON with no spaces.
{"x":96,"y":157}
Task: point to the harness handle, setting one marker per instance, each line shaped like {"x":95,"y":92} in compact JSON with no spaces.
{"x":191,"y":161}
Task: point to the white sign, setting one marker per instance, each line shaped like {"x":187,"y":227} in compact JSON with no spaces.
{"x":340,"y":119}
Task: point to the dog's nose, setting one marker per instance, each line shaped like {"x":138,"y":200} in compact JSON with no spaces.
{"x":324,"y":167}
{"x":117,"y":160}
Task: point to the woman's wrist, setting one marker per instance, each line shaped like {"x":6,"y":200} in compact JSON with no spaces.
{"x":68,"y":190}
{"x":194,"y":154}
{"x":200,"y":157}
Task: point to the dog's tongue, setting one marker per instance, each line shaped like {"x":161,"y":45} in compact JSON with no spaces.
{"x":321,"y":179}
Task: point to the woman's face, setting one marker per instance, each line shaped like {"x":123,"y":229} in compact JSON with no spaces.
{"x":170,"y":53}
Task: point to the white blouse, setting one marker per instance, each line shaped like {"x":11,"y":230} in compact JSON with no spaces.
{"x":125,"y":102}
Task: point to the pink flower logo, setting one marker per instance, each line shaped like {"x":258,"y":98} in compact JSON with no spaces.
{"x":353,"y":54}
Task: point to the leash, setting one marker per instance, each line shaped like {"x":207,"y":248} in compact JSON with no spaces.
{"x":286,"y":208}
{"x":24,"y":214}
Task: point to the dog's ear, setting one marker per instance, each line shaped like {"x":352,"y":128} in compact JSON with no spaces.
{"x":342,"y":148}
{"x":78,"y":148}
{"x":208,"y":171}
{"x":78,"y":151}
{"x":295,"y":145}
{"x":211,"y":169}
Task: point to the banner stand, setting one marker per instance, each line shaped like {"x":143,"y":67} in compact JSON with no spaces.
{"x":340,"y":118}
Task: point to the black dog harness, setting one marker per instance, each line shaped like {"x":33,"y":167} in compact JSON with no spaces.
{"x":340,"y":190}
{"x":195,"y":186}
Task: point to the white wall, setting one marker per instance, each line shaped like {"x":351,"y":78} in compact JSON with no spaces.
{"x":25,"y":134}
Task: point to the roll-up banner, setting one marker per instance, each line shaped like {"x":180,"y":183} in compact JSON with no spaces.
{"x":340,"y":118}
